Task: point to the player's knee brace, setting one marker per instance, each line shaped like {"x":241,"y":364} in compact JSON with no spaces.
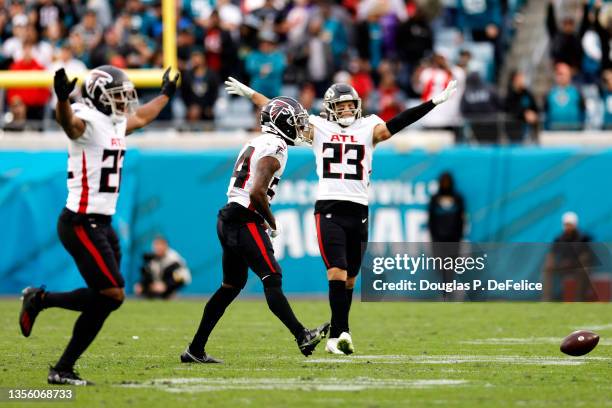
{"x":108,"y":303}
{"x":273,"y":281}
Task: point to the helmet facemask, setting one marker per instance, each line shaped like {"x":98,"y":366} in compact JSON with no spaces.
{"x":335,"y":115}
{"x":122,"y":100}
{"x":303,"y":136}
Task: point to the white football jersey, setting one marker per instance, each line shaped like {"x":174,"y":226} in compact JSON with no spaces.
{"x":344,"y":158}
{"x":243,"y":178}
{"x":95,"y":161}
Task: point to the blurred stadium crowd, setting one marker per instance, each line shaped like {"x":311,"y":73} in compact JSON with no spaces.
{"x":394,"y":52}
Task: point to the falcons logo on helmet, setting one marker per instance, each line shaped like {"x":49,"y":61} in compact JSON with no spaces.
{"x":278,"y":107}
{"x":97,"y":78}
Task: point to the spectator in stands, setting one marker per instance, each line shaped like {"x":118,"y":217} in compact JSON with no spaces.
{"x":369,"y":36}
{"x":320,"y":62}
{"x":110,"y":49}
{"x":431,"y":78}
{"x":414,"y":41}
{"x":164,"y":272}
{"x":42,"y":51}
{"x":591,"y":57}
{"x":565,"y":108}
{"x":185,"y":42}
{"x":266,"y":65}
{"x":48,"y":12}
{"x":230,"y":15}
{"x":606,"y":96}
{"x":79,"y":50}
{"x":268,"y":15}
{"x":566,"y":44}
{"x":54,"y":35}
{"x":604,"y":31}
{"x":521,"y":109}
{"x":483,"y":21}
{"x":569,"y":256}
{"x":15,"y":120}
{"x":35,"y":99}
{"x":360,"y":79}
{"x":479,"y":106}
{"x":199,"y":88}
{"x":89,"y":29}
{"x":388,"y":100}
{"x":219,"y":47}
{"x":334,"y":33}
{"x":308,"y":99}
{"x":14,"y":44}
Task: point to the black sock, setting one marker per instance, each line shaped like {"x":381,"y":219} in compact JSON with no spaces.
{"x":79,"y":299}
{"x":349,"y":298}
{"x":278,"y":304}
{"x":338,"y":303}
{"x":85,"y":330}
{"x":214,"y":309}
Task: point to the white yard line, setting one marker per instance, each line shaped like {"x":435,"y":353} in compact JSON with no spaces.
{"x":194,"y":385}
{"x":460,"y":359}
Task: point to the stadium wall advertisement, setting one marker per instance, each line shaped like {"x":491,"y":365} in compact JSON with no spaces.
{"x":512,"y":194}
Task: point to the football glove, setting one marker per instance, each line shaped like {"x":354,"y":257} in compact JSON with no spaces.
{"x":273,"y":233}
{"x":63,"y":87}
{"x":168,"y":86}
{"x":443,"y":96}
{"x":235,"y":87}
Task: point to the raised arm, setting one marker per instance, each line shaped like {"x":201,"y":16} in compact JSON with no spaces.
{"x":72,"y":125}
{"x":146,"y":113}
{"x":384,"y":131}
{"x":235,"y":87}
{"x":266,"y":167}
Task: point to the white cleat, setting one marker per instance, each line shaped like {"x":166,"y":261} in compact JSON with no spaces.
{"x":345,"y":343}
{"x":332,"y":346}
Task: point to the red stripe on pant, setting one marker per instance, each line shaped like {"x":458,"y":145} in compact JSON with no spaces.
{"x":320,"y":239}
{"x":91,"y":248}
{"x":257,"y":237}
{"x":84,"y":187}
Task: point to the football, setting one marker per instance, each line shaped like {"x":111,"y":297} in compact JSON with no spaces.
{"x":579,"y":343}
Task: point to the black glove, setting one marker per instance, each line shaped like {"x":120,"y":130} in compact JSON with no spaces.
{"x":63,"y":87}
{"x":168,"y":86}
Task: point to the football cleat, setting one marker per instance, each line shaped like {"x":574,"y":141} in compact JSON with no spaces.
{"x":30,"y":308}
{"x":65,"y":377}
{"x":189,"y":357}
{"x":332,"y":346}
{"x":345,"y":343}
{"x":310,"y":338}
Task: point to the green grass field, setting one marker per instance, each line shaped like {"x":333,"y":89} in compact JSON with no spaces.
{"x":408,"y":354}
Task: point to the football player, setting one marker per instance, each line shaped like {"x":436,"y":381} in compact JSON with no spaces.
{"x":96,"y":128}
{"x":243,"y":222}
{"x":343,"y":143}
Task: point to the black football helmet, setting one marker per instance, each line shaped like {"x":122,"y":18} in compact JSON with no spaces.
{"x":341,"y":93}
{"x":109,"y":90}
{"x":287,"y":118}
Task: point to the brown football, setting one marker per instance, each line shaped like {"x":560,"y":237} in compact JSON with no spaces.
{"x":579,"y":343}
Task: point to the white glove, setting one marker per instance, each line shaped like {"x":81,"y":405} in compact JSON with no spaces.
{"x":235,"y":87}
{"x":443,"y":96}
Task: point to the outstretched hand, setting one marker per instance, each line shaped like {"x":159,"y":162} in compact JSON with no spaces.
{"x":235,"y":87}
{"x":168,"y":86}
{"x":445,"y":95}
{"x":63,"y":87}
